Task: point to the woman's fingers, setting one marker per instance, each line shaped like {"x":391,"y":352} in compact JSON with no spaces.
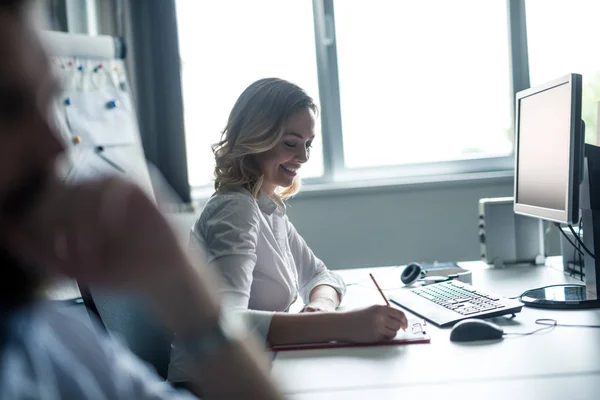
{"x":388,"y":333}
{"x":399,"y":316}
{"x":393,"y":324}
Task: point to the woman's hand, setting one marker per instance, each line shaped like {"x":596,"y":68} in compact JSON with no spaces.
{"x":373,"y":324}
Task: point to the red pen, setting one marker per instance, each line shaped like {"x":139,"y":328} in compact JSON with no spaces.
{"x":387,"y":303}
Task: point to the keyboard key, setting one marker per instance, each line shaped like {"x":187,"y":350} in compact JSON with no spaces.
{"x":427,"y":296}
{"x":462,"y":299}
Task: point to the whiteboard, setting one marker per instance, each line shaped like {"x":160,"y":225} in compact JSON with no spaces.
{"x":94,"y":112}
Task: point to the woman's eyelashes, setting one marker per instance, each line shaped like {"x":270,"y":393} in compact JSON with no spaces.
{"x":293,"y":145}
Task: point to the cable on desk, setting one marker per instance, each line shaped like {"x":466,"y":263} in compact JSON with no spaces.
{"x":545,"y":328}
{"x":550,"y":324}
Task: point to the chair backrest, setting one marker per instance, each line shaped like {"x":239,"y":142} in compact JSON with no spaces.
{"x":125,"y":318}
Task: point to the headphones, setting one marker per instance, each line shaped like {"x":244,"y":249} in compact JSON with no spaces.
{"x":414,"y":272}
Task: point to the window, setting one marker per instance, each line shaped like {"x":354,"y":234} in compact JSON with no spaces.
{"x":408,"y":88}
{"x":423,"y":81}
{"x":225,"y":45}
{"x":563,"y":38}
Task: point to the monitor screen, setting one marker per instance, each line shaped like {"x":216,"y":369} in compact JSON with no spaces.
{"x":544,"y":127}
{"x":547,"y":142}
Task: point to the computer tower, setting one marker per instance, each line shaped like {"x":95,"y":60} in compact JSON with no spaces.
{"x":507,"y":238}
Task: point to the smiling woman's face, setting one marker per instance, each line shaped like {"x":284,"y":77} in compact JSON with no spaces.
{"x":280,"y":165}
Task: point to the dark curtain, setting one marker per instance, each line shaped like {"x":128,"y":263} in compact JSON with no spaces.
{"x":154,"y":68}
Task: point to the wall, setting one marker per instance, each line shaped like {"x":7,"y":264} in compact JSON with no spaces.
{"x":394,"y":226}
{"x":397,"y":225}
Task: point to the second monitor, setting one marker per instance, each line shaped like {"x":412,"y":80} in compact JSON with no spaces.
{"x":556,"y":174}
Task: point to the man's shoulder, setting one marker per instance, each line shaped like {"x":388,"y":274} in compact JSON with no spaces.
{"x":57,"y":331}
{"x":59,"y":350}
{"x":49,"y":347}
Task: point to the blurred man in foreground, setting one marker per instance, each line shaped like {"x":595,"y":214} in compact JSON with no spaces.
{"x":102,"y":233}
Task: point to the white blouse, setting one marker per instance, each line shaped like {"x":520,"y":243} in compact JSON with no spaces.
{"x":262,"y":260}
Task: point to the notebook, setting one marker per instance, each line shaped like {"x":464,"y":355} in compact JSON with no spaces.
{"x":415,"y":333}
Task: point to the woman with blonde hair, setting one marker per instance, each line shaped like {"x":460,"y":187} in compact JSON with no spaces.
{"x":262,"y":260}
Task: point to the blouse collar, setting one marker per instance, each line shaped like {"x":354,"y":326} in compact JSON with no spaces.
{"x":269,"y":205}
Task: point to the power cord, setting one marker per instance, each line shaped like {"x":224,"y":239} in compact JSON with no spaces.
{"x":580,"y":259}
{"x":581,"y":242}
{"x":567,"y":238}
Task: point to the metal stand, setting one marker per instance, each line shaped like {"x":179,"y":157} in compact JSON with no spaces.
{"x":590,"y":213}
{"x":578,"y":296}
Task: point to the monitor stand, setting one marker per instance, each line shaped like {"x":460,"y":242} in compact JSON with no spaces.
{"x":572,"y":296}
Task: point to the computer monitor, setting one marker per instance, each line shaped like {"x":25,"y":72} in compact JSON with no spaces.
{"x":549,"y":137}
{"x":557,"y":179}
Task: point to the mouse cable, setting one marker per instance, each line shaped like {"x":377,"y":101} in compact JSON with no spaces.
{"x":568,"y":239}
{"x":550,"y":324}
{"x":548,"y":328}
{"x":581,"y":242}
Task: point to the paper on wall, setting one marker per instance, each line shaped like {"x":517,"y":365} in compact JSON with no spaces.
{"x":87,"y":164}
{"x":90,"y":116}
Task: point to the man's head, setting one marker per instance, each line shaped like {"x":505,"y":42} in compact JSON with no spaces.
{"x":28,"y":145}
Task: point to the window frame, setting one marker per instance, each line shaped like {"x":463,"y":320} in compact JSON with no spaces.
{"x":334,"y":169}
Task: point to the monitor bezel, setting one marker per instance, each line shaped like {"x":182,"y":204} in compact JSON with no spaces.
{"x":570,"y":214}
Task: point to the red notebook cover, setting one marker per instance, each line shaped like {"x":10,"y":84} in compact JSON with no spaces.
{"x":415,"y":333}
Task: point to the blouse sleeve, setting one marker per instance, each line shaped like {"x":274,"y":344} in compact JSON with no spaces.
{"x":312,"y":271}
{"x":228,"y":230}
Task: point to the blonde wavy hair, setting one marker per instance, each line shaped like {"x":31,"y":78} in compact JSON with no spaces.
{"x":256,"y":124}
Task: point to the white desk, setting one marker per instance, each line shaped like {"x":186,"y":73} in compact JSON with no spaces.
{"x":562,"y":363}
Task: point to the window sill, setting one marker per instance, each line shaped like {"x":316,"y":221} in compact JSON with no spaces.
{"x":404,"y":183}
{"x":201,"y":194}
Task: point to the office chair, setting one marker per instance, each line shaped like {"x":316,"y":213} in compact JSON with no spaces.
{"x":126,"y":318}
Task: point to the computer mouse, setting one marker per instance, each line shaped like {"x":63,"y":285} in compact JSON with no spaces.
{"x":470,"y":330}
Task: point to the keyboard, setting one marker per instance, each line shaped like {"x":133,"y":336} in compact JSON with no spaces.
{"x":448,"y":302}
